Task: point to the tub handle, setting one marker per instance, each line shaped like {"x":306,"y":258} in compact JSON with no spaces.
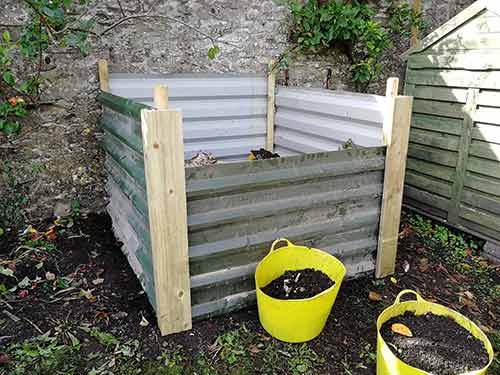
{"x":408,"y":291}
{"x":288,"y":243}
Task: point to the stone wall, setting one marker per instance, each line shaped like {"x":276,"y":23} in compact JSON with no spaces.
{"x":57,"y":159}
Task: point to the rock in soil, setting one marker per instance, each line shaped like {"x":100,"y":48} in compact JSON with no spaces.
{"x":439,"y":345}
{"x":299,"y":284}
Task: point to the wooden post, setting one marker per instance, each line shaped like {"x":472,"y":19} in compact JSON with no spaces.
{"x":396,"y":132}
{"x":166,"y":188}
{"x":271,"y":84}
{"x":417,"y":9}
{"x":160,"y":97}
{"x":103,"y":75}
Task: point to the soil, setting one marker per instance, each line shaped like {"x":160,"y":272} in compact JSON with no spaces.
{"x":118,"y":304}
{"x":438,"y":345}
{"x":298,"y":284}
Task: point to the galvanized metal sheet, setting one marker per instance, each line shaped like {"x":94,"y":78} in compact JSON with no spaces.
{"x":313,"y":120}
{"x":223,"y":114}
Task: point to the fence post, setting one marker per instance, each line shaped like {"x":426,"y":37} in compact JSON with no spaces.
{"x":271,"y":83}
{"x":396,"y":132}
{"x":166,"y":189}
{"x":103,"y":75}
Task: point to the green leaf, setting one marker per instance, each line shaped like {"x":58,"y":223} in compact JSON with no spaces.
{"x":213,"y":52}
{"x":10,"y":128}
{"x":1,"y":232}
{"x":6,"y":271}
{"x":6,"y":36}
{"x":24,"y":283}
{"x":8,"y":77}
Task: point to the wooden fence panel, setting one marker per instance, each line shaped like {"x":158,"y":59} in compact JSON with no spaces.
{"x":453,"y":169}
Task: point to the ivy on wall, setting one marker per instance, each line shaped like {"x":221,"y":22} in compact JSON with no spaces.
{"x":322,"y":27}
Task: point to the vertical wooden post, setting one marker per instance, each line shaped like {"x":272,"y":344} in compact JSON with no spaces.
{"x":417,"y":9}
{"x":103,"y":75}
{"x":396,"y":135}
{"x":166,"y":189}
{"x":271,"y":84}
{"x":160,"y":97}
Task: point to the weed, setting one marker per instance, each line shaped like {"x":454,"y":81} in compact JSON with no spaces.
{"x":231,"y":346}
{"x":495,"y":342}
{"x":40,"y":244}
{"x":37,"y":168}
{"x":104,"y":338}
{"x":459,"y":251}
{"x":41,"y":355}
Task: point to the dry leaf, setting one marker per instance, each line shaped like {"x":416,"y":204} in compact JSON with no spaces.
{"x":253,"y":349}
{"x":51,"y":234}
{"x":423,"y":268}
{"x":464,"y":301}
{"x":50,"y":276}
{"x":97,"y":281}
{"x":144,"y":322}
{"x":469,"y":295}
{"x":401,"y":329}
{"x":424,"y":261}
{"x":374,"y":296}
{"x":406,"y":266}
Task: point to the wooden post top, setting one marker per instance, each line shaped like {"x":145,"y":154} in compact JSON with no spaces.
{"x":392,"y":87}
{"x":160,"y":97}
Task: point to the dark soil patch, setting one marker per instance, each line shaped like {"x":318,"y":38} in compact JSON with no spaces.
{"x":439,"y":345}
{"x":298,"y":284}
{"x":89,"y":251}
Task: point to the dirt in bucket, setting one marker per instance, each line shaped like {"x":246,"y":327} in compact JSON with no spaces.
{"x":298,"y":284}
{"x":438,"y":345}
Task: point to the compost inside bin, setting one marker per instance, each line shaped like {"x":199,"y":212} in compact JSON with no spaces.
{"x":298,"y":284}
{"x":438,"y":344}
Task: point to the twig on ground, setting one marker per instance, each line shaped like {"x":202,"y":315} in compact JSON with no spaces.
{"x":6,"y":304}
{"x":14,"y":318}
{"x":34,"y":326}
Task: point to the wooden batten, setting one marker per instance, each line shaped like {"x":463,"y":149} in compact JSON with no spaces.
{"x":103,"y":75}
{"x":417,"y":9}
{"x":166,"y":191}
{"x":271,"y":98}
{"x":396,"y":132}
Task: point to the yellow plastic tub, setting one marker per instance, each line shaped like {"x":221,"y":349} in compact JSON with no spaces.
{"x":302,"y":319}
{"x":389,"y":364}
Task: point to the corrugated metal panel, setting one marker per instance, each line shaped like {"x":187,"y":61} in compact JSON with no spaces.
{"x":223,"y":114}
{"x":326,"y":200}
{"x":453,"y":169}
{"x":313,"y":120}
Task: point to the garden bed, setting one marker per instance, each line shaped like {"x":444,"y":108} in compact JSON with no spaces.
{"x":122,"y":335}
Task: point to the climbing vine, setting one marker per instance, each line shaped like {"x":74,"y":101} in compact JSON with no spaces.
{"x":403,"y":18}
{"x":349,"y":26}
{"x":320,"y":27}
{"x":58,"y":25}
